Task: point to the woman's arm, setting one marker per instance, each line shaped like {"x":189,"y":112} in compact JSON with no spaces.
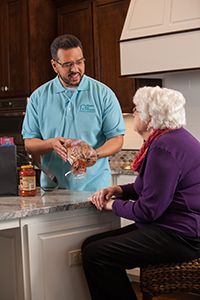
{"x":158,"y":186}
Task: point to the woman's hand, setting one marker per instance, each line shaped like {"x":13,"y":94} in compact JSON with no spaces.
{"x":108,"y":205}
{"x":102,"y":198}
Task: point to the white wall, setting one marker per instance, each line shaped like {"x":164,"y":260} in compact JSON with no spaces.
{"x":132,"y":139}
{"x":188,"y":83}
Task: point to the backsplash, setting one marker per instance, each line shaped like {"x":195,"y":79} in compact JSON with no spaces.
{"x":122,"y":160}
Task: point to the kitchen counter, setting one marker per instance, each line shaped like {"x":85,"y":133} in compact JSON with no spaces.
{"x":16,"y":207}
{"x":123,"y":172}
{"x":40,"y":242}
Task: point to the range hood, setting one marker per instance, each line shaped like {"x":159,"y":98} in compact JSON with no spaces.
{"x":160,"y":36}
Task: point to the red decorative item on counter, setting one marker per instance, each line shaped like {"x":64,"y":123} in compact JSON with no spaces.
{"x":6,"y":140}
{"x":27,"y":177}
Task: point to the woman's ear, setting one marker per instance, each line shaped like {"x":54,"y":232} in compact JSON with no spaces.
{"x":149,"y":125}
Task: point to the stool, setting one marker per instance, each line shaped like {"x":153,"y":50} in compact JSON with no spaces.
{"x":170,"y":278}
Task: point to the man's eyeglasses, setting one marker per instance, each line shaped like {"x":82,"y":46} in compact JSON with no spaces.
{"x":70,"y":64}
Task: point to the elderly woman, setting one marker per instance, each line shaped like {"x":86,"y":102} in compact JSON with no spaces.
{"x":164,"y":201}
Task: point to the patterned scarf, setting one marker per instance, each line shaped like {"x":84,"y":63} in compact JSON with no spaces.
{"x":145,"y":146}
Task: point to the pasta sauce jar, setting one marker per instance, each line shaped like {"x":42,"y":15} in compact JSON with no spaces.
{"x":27,"y":181}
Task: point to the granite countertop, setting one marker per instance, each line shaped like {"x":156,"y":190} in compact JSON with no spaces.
{"x":15,"y":207}
{"x":123,"y":172}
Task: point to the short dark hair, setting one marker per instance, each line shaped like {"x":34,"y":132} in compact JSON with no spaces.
{"x":65,"y":41}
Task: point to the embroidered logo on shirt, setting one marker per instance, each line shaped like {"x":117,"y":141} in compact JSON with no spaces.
{"x":87,"y":108}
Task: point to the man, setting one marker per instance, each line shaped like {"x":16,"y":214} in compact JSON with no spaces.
{"x":72,"y":106}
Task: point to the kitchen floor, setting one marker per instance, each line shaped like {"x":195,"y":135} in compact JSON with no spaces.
{"x":166,"y":297}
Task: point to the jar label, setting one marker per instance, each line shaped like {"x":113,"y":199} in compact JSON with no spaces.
{"x":27,"y":183}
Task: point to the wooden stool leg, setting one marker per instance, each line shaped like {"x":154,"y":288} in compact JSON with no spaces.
{"x":146,"y":296}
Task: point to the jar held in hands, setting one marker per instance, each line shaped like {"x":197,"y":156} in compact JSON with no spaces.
{"x":80,"y":155}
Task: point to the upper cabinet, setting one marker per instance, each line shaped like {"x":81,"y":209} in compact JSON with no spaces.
{"x":26,"y":28}
{"x":164,"y":36}
{"x":14,"y":77}
{"x":75,"y":17}
{"x":98,"y":24}
{"x":109,"y":17}
{"x":156,"y":17}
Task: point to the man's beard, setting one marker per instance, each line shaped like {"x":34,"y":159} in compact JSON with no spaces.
{"x":69,"y":82}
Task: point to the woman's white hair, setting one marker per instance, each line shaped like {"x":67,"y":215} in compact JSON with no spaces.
{"x":161,"y":107}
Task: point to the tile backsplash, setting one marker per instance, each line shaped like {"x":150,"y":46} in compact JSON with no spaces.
{"x":122,"y":160}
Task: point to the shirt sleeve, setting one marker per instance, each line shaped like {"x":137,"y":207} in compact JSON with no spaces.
{"x":30,"y":127}
{"x":160,"y":179}
{"x":129,"y":191}
{"x":113,"y":123}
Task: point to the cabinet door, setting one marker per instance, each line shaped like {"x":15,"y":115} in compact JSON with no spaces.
{"x":53,"y":254}
{"x":42,"y":30}
{"x":98,"y":24}
{"x":3,"y":49}
{"x":109,"y":17}
{"x":75,"y":17}
{"x":13,"y":48}
{"x":11,"y":276}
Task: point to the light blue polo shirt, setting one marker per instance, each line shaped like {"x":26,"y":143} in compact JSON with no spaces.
{"x":92,"y":113}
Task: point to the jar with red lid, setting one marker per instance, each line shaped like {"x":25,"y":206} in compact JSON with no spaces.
{"x":27,"y":181}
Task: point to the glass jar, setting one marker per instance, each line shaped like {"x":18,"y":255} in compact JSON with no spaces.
{"x":27,"y":181}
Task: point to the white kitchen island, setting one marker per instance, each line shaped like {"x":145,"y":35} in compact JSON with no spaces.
{"x":40,"y":242}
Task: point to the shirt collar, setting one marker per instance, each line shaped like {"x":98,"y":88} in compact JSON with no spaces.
{"x":59,"y":88}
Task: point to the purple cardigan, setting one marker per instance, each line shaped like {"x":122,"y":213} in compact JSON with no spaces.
{"x":167,"y":189}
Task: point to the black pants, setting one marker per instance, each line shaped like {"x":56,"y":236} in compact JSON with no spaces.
{"x":107,"y":255}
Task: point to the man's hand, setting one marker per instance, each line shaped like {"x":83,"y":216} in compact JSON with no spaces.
{"x":38,"y":147}
{"x":58,"y":146}
{"x":80,"y":155}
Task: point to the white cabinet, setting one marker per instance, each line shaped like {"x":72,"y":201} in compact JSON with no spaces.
{"x":124,"y":179}
{"x":168,"y":29}
{"x":11,"y":278}
{"x":51,"y":252}
{"x":149,"y":18}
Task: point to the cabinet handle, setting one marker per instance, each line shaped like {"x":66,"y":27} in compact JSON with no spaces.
{"x":4,"y":88}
